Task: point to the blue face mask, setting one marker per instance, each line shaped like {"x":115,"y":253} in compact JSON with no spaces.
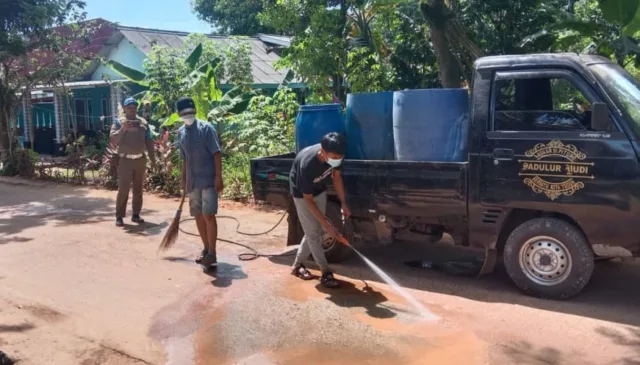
{"x":334,"y":162}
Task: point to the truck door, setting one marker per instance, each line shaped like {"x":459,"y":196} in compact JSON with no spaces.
{"x":539,"y":152}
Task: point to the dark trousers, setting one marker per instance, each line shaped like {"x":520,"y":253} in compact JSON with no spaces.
{"x":130,"y":172}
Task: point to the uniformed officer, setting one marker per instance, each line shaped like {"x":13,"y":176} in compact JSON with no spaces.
{"x":130,"y":137}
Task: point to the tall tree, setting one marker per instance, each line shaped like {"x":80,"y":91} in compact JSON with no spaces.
{"x":234,"y":17}
{"x":30,"y":49}
{"x":318,"y":53}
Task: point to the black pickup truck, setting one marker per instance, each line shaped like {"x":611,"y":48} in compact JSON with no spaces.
{"x":551,"y":183}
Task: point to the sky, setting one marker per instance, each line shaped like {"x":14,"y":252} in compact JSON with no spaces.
{"x":157,"y":14}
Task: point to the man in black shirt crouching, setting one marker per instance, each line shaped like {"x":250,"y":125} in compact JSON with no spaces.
{"x":310,"y":168}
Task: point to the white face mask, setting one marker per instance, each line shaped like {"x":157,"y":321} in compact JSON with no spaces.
{"x":188,"y":119}
{"x":333,"y":162}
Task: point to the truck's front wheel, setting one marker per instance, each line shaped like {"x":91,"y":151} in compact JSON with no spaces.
{"x":335,"y":251}
{"x":548,"y":258}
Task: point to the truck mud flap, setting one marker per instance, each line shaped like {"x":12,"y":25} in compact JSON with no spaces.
{"x":490,"y":258}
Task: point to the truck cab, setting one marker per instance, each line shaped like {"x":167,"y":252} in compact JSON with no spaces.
{"x":551,"y":182}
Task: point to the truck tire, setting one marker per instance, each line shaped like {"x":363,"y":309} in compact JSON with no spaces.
{"x":548,"y":258}
{"x":335,"y":251}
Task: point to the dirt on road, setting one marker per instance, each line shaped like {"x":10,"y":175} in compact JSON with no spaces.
{"x":74,"y":289}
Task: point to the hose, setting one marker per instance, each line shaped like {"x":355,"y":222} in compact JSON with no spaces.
{"x":253,"y":253}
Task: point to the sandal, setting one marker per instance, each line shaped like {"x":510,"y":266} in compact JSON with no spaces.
{"x":202,"y":255}
{"x":302,"y":272}
{"x":329,"y":281}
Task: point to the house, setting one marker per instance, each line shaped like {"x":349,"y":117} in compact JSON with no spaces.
{"x":97,"y":94}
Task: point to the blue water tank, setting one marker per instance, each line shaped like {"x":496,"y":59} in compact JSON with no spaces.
{"x":369,"y":124}
{"x":430,"y":124}
{"x":315,"y":121}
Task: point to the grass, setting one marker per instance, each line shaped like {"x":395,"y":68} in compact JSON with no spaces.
{"x":68,"y":173}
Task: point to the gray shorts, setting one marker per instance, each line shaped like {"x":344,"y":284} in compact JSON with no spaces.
{"x":203,"y":201}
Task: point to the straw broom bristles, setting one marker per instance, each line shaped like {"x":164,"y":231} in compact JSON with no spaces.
{"x":172,"y":233}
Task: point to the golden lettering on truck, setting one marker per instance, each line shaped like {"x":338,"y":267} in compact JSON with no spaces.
{"x":555,"y":169}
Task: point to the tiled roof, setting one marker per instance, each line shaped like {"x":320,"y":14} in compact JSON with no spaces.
{"x":261,"y":60}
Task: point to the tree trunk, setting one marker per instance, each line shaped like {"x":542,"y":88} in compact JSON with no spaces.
{"x":448,"y":66}
{"x":5,"y":145}
{"x":436,"y":14}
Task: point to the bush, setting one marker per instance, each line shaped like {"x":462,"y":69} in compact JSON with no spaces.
{"x":237,"y":176}
{"x":22,"y":163}
{"x":166,"y":176}
{"x":266,"y":128}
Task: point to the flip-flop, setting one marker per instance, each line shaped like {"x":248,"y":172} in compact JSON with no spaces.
{"x":302,"y":272}
{"x":329,"y":281}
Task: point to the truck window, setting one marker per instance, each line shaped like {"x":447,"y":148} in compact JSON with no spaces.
{"x":540,"y":104}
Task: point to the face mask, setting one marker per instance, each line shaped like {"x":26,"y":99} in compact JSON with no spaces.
{"x":189,"y":119}
{"x":334,"y":162}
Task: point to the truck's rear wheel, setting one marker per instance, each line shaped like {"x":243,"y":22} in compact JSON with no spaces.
{"x":335,"y":251}
{"x":548,"y":258}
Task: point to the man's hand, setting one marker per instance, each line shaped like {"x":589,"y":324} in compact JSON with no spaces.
{"x":219,"y":185}
{"x":346,"y":212}
{"x":126,"y":125}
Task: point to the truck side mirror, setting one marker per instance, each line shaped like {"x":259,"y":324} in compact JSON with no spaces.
{"x":600,"y":120}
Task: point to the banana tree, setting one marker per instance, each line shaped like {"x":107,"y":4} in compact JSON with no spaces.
{"x":166,"y":84}
{"x":611,"y":30}
{"x":360,"y":31}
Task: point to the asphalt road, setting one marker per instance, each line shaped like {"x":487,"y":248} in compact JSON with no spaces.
{"x":74,"y":289}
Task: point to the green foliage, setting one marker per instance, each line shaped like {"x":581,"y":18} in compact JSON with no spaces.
{"x":166,"y":176}
{"x":21,"y":163}
{"x":211,"y":107}
{"x":232,"y":16}
{"x":195,"y":70}
{"x":366,"y":73}
{"x":266,"y":128}
{"x":234,"y":54}
{"x":499,"y":26}
{"x":31,"y":52}
{"x":605,"y":27}
{"x":236,"y":176}
{"x":314,"y":27}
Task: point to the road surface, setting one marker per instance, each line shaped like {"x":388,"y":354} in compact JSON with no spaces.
{"x":74,"y":289}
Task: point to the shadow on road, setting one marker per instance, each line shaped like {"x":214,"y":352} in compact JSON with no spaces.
{"x":16,"y":239}
{"x":348,"y":296}
{"x":26,"y":206}
{"x":612,"y":295}
{"x":16,"y":328}
{"x":145,"y":229}
{"x":225,"y":274}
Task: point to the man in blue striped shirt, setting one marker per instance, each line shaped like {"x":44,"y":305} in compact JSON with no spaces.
{"x":201,"y":175}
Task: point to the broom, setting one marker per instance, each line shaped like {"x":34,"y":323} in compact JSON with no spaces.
{"x":172,"y":233}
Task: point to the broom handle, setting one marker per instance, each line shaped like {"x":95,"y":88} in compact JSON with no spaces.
{"x":184,"y":195}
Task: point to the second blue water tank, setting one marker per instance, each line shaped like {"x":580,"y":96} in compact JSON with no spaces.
{"x":369,"y":125}
{"x":430,"y":124}
{"x":315,"y":121}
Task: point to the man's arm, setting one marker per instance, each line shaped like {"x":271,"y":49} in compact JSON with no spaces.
{"x":183,"y":156}
{"x":213,"y":146}
{"x":148,"y":140}
{"x":217,"y":159}
{"x":336,"y":176}
{"x":116,"y":133}
{"x":184,"y":175}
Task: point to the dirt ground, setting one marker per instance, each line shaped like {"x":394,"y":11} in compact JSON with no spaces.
{"x":74,"y":289}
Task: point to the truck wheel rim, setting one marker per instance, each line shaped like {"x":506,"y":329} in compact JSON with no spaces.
{"x":328,"y":243}
{"x":545,"y":260}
